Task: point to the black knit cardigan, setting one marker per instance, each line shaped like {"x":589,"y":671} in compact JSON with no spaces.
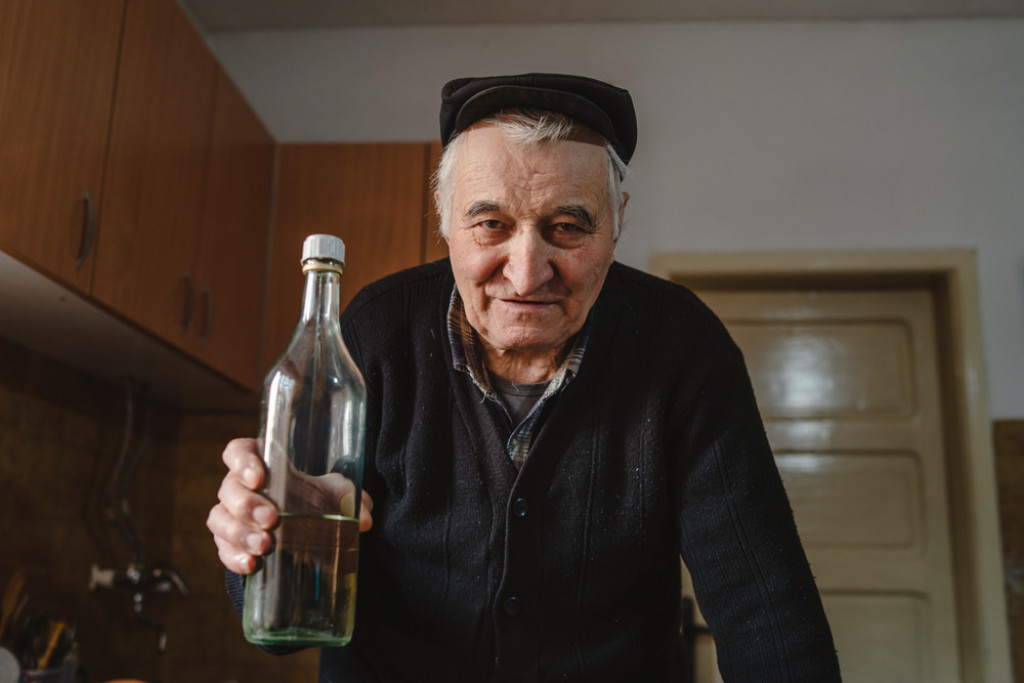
{"x":569,"y":569}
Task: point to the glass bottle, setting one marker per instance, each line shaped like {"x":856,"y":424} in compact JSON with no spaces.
{"x":311,"y":436}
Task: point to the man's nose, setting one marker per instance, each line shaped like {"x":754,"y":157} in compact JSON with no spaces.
{"x":528,"y":266}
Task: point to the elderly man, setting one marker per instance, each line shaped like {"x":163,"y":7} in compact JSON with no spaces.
{"x":548,"y":431}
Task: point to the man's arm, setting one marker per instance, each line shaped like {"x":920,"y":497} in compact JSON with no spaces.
{"x":739,"y":541}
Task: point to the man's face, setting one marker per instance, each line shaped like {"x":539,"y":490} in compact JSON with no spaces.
{"x":530,"y":239}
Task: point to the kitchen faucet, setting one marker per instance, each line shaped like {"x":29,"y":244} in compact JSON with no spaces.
{"x":137,"y":576}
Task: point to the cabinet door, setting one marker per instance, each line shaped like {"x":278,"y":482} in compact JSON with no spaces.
{"x":231,"y":270}
{"x":156,"y":170}
{"x":58,"y":62}
{"x":372,"y":195}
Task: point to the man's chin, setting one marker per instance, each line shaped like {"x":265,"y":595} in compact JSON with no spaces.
{"x":531,"y":340}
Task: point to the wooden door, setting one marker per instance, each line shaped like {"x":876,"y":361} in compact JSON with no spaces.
{"x":156,"y":171}
{"x":372,"y":195}
{"x":58,"y":62}
{"x":231,"y":263}
{"x":847,"y":382}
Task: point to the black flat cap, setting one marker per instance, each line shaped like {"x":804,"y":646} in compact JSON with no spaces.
{"x":603,"y":108}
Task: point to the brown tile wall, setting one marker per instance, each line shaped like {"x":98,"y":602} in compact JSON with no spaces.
{"x":1009,"y":447}
{"x":60,"y":435}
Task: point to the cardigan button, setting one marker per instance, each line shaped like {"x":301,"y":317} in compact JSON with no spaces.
{"x":520,"y":507}
{"x":512,"y":607}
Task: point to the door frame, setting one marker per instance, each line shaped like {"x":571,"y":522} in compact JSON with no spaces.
{"x":951,"y":277}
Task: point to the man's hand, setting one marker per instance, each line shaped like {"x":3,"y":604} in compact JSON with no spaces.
{"x":241,"y":521}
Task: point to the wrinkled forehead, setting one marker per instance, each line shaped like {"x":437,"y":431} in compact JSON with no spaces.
{"x":487,"y":149}
{"x":565,"y":172}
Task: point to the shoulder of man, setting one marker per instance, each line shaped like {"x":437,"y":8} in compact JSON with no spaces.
{"x":649,"y":296}
{"x":391,"y":317}
{"x":417,"y":287}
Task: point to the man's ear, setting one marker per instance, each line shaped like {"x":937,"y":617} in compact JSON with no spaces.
{"x":436,"y":205}
{"x":622,"y":213}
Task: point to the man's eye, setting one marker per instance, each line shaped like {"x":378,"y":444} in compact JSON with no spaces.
{"x":567,"y":227}
{"x":570,"y":231}
{"x":491,"y":224}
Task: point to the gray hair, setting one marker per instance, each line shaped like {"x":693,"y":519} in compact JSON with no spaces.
{"x":525,"y":127}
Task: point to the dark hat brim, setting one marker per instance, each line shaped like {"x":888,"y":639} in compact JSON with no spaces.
{"x":605,"y":109}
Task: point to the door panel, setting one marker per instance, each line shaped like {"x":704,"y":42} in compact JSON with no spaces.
{"x":855,"y":500}
{"x":847,"y":382}
{"x":833,"y":369}
{"x":231,"y":263}
{"x":372,"y":195}
{"x":58,"y":62}
{"x":154,"y":184}
{"x":892,"y":628}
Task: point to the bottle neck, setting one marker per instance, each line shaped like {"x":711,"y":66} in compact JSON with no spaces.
{"x":321,"y":298}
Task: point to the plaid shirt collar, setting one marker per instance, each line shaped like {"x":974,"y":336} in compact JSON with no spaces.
{"x":466,"y":358}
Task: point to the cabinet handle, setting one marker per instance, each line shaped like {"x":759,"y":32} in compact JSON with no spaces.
{"x":88,"y":229}
{"x":207,"y":317}
{"x":190,"y":301}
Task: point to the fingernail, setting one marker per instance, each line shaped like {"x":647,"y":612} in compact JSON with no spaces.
{"x":251,"y":476}
{"x":255,"y":542}
{"x":263,"y":514}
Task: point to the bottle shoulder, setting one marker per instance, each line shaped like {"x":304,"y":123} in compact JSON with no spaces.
{"x":316,"y":358}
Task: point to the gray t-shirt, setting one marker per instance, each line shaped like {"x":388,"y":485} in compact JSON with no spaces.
{"x":518,"y":398}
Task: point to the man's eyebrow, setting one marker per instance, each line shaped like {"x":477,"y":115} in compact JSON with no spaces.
{"x":580,"y":213}
{"x":477,"y":208}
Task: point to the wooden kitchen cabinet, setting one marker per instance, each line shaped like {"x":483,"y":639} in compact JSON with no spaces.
{"x":58,"y":64}
{"x":232,"y":255}
{"x":375,"y":196}
{"x":152,"y":207}
{"x":121,"y":101}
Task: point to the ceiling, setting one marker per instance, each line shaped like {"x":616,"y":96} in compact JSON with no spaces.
{"x":215,"y":16}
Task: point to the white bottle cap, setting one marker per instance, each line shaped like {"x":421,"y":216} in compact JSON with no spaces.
{"x":324,"y":247}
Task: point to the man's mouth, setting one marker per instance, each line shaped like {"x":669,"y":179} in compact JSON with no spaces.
{"x":528,"y":302}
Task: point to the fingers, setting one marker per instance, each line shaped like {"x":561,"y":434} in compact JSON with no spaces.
{"x":242,"y":458}
{"x":238,"y":557}
{"x":365,"y":516}
{"x":241,"y":519}
{"x":335,"y":489}
{"x":245,"y":504}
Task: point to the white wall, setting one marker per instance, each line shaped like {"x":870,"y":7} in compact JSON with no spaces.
{"x":774,"y":136}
